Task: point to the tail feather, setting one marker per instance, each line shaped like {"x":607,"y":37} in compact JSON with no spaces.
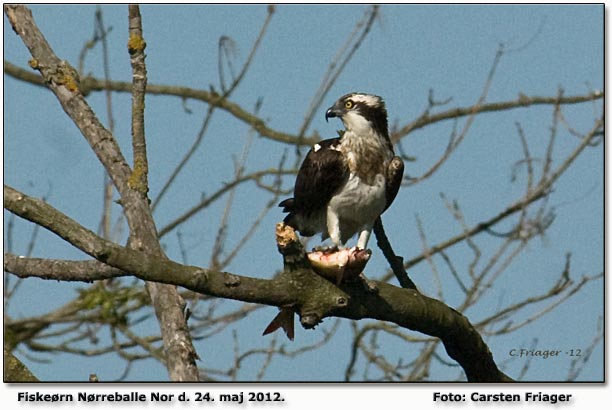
{"x":307,"y":224}
{"x":291,"y":221}
{"x":287,"y":205}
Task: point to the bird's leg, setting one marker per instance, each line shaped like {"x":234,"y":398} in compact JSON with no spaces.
{"x":333,"y":227}
{"x":364,"y":236}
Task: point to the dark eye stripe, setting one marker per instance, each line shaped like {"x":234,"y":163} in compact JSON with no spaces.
{"x":376,"y":115}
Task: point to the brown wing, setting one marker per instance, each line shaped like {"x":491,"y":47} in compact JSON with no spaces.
{"x":394,"y":175}
{"x":322,"y":173}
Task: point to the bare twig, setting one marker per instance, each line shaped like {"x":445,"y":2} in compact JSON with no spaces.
{"x":211,"y":109}
{"x":457,"y":138}
{"x":139,"y":180}
{"x":205,"y":202}
{"x":339,"y":62}
{"x":522,"y":101}
{"x":90,"y":84}
{"x":540,"y":192}
{"x":101,"y":33}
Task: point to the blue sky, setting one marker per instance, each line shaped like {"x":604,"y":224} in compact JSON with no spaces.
{"x":411,"y":49}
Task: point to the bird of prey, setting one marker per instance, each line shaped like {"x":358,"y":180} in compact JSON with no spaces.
{"x":342,"y":187}
{"x":346,"y":183}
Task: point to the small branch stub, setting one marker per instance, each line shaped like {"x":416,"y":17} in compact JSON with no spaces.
{"x":286,"y":239}
{"x":289,"y":245}
{"x":232,"y":281}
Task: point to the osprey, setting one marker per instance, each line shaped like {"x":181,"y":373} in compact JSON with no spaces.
{"x":346,"y":183}
{"x":342,"y":187}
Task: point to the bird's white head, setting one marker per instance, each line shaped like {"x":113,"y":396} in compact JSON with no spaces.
{"x":361,"y":113}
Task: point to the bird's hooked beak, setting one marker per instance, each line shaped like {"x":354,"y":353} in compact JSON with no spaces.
{"x":333,"y":111}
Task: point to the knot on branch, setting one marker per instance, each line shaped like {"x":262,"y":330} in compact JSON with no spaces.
{"x":61,"y":74}
{"x":34,"y":63}
{"x":136,"y":44}
{"x":232,"y":281}
{"x":138,"y":179}
{"x":200,"y":278}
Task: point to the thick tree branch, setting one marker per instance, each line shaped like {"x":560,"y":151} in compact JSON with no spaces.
{"x":169,"y":305}
{"x":148,"y":266}
{"x":57,"y":269}
{"x":299,"y":288}
{"x":63,"y":81}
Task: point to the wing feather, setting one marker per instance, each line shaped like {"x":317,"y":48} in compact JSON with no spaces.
{"x":394,"y":175}
{"x":322,"y":173}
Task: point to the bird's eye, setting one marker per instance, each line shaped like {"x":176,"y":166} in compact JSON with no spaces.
{"x":348,"y":104}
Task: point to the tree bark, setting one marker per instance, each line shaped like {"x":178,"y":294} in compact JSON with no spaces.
{"x":63,"y":81}
{"x":298,"y":288}
{"x":15,"y":371}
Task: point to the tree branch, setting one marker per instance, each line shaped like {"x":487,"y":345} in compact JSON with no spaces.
{"x":539,"y":192}
{"x":522,"y":101}
{"x":136,"y":45}
{"x":307,"y":293}
{"x":63,"y":81}
{"x":56,"y":269}
{"x":91,"y":84}
{"x":211,"y":109}
{"x":15,"y":371}
{"x":169,"y":305}
{"x":396,"y":262}
{"x":208,"y":200}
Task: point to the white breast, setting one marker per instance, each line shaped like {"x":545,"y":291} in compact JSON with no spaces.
{"x":358,"y":204}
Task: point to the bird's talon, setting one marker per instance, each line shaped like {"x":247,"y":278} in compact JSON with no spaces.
{"x":325,"y":249}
